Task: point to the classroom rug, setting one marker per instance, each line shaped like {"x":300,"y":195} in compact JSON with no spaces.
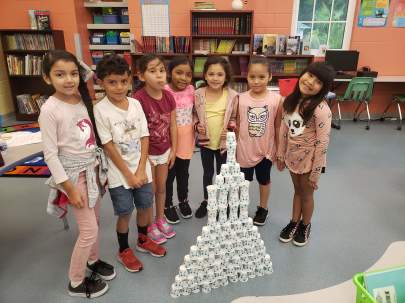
{"x":34,"y":127}
{"x":31,"y":166}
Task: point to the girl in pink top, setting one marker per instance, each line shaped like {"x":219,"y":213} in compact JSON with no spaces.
{"x":180,"y":74}
{"x":70,"y":150}
{"x":258,"y":119}
{"x":304,"y":139}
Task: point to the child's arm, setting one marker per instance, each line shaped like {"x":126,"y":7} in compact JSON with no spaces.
{"x":141,"y":170}
{"x":323,"y":120}
{"x":277,"y":122}
{"x":49,"y":127}
{"x":173,"y":138}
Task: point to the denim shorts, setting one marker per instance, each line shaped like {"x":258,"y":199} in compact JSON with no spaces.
{"x":124,"y":200}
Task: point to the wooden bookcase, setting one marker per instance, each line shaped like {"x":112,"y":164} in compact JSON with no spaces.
{"x":28,"y":84}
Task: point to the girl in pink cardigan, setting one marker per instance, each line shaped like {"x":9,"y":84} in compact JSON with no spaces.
{"x":303,"y":143}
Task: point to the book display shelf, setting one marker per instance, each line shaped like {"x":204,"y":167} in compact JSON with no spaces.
{"x":23,"y":50}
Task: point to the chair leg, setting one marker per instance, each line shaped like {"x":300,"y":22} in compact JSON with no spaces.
{"x":65,"y":223}
{"x":340,"y":116}
{"x":368,"y":116}
{"x":400,"y":116}
{"x":385,"y":112}
{"x":355,"y":117}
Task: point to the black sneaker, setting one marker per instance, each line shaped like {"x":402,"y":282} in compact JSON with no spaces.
{"x":202,"y":210}
{"x":288,"y":232}
{"x":302,"y":234}
{"x":260,"y":216}
{"x":171,"y":215}
{"x":89,"y":288}
{"x":185,"y":210}
{"x":103,"y":269}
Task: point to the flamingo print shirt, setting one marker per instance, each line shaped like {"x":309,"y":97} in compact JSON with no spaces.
{"x":65,"y":129}
{"x":157,"y":114}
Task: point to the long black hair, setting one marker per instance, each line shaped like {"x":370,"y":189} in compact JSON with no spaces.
{"x":50,"y":59}
{"x":325,"y":73}
{"x":142,"y":66}
{"x":176,"y":61}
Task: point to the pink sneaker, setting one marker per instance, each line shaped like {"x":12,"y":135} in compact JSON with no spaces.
{"x":166,"y":229}
{"x":155,"y":234}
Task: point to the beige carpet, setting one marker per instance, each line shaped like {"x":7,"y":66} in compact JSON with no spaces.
{"x":341,"y":293}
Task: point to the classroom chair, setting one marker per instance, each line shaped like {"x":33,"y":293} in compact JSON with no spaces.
{"x":396,"y":99}
{"x":360,"y":90}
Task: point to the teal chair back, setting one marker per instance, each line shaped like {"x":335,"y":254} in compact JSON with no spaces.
{"x":360,"y":89}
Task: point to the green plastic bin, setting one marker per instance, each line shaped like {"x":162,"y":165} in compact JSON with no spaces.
{"x":362,"y":295}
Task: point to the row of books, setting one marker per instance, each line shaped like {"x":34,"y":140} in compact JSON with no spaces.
{"x":288,"y":66}
{"x":240,"y":87}
{"x":30,"y":104}
{"x":204,"y":5}
{"x":207,"y":46}
{"x":24,"y":65}
{"x":173,"y":44}
{"x":275,"y":44}
{"x":241,"y":25}
{"x":29,"y":42}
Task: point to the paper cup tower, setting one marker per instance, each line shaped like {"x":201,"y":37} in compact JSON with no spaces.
{"x":229,"y":248}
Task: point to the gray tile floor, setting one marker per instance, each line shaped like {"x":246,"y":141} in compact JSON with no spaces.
{"x":359,"y":211}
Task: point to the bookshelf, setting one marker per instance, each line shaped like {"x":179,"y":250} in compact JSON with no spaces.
{"x":23,"y":50}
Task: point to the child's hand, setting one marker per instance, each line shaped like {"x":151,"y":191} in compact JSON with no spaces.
{"x":280,"y":165}
{"x":172,"y":159}
{"x":134,"y":181}
{"x":313,"y":184}
{"x":201,"y":129}
{"x":141,"y":175}
{"x":223,"y":134}
{"x":75,"y":197}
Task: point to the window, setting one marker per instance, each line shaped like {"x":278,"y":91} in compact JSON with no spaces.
{"x":324,"y":22}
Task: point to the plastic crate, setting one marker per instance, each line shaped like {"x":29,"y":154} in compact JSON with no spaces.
{"x":98,"y":19}
{"x":111,"y":19}
{"x":97,"y":38}
{"x":125,"y":38}
{"x":362,"y":295}
{"x":112,"y":37}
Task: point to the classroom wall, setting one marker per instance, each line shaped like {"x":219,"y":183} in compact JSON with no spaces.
{"x":380,"y":48}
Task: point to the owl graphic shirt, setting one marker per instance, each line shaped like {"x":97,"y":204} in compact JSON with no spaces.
{"x":257,"y":132}
{"x":304,"y":146}
{"x":66,"y":129}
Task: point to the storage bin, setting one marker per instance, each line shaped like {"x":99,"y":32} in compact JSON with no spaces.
{"x":124,"y":19}
{"x":111,"y":19}
{"x":97,"y":38}
{"x":125,"y":38}
{"x":112,"y":37}
{"x":96,"y":56}
{"x":97,"y":19}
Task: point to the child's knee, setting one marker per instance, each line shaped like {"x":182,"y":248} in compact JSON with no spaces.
{"x":88,"y":235}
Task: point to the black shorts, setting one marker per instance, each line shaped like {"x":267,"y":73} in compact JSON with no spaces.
{"x":262,"y":169}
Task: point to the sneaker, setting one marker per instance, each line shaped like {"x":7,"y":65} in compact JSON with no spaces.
{"x":201,"y":212}
{"x":288,"y":232}
{"x":260,"y":216}
{"x":155,"y":234}
{"x":103,"y":269}
{"x":185,"y":210}
{"x":89,"y":288}
{"x":171,"y":215}
{"x":166,"y":229}
{"x":129,"y":261}
{"x":302,"y":235}
{"x":149,"y":246}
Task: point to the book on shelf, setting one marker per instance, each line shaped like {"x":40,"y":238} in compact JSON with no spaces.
{"x":269,"y":44}
{"x":295,"y":66}
{"x":199,"y":65}
{"x":258,"y":44}
{"x":29,"y":42}
{"x":30,"y":104}
{"x":28,"y":65}
{"x":172,"y":44}
{"x":204,"y":5}
{"x":240,"y":87}
{"x":225,"y":46}
{"x":243,"y":65}
{"x":293,"y":45}
{"x":281,"y":45}
{"x":222,"y":25}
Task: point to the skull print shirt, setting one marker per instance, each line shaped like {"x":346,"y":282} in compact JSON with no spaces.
{"x":256,"y":139}
{"x":304,"y":146}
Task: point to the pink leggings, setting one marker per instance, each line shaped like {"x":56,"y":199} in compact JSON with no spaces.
{"x":86,"y":247}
